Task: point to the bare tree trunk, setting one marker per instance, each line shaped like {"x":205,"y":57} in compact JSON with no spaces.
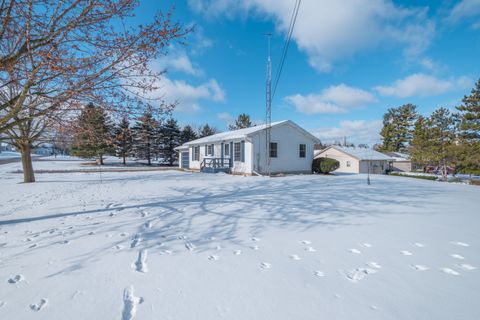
{"x":124,"y":161}
{"x":28,"y":174}
{"x":101,"y":159}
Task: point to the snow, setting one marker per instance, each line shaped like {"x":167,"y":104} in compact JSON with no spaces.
{"x":177,"y":245}
{"x":360,"y":153}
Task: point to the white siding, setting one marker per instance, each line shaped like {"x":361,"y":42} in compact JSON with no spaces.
{"x":342,"y":158}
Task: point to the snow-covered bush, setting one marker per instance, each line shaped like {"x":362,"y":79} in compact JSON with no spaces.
{"x":324,"y":165}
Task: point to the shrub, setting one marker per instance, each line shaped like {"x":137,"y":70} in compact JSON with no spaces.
{"x":433,"y":178}
{"x":324,"y":165}
{"x":475,"y":182}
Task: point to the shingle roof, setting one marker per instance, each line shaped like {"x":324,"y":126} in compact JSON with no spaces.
{"x":362,"y":153}
{"x":239,"y":134}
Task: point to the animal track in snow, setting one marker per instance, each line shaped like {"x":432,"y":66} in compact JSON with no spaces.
{"x":265,"y":265}
{"x":237,"y":252}
{"x":136,"y":240}
{"x":319,"y":273}
{"x":130,"y":304}
{"x":359,"y":273}
{"x":141,"y":263}
{"x":419,"y":267}
{"x":295,"y":257}
{"x":450,"y":271}
{"x":16,"y":278}
{"x":366,"y":245}
{"x":39,"y":306}
{"x":457,"y":256}
{"x":2,"y":303}
{"x":190,"y":246}
{"x":406,"y":253}
{"x":374,"y":265}
{"x":461,"y":244}
{"x":213,"y":257}
{"x":165,"y":252}
{"x":218,"y":248}
{"x":418,"y":245}
{"x":254,"y":239}
{"x":356,"y":251}
{"x":467,"y":267}
{"x":254,"y":247}
{"x":310,"y":249}
{"x":148,"y":225}
{"x":306,"y":242}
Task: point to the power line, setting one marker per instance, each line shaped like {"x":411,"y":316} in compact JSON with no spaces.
{"x":293,"y":20}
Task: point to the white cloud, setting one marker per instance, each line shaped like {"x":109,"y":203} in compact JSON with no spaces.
{"x":334,"y":99}
{"x":188,"y":96}
{"x":356,"y":131}
{"x":420,"y":84}
{"x":226,"y":117}
{"x":465,"y":9}
{"x":329,"y":31}
{"x":177,"y":60}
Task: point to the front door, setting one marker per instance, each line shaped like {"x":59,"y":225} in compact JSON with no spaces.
{"x":185,"y":160}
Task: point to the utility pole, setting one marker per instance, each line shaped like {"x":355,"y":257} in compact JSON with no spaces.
{"x":268,"y":108}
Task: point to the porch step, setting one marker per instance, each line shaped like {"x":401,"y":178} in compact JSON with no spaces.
{"x":214,"y":170}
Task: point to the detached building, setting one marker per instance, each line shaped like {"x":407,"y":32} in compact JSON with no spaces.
{"x":356,"y":160}
{"x":401,"y":161}
{"x":244,"y":151}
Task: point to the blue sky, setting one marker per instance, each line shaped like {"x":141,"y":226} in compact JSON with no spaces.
{"x":349,"y":61}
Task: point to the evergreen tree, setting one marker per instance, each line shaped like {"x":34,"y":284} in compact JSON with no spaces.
{"x":243,"y":121}
{"x":206,"y":131}
{"x":397,"y":127}
{"x":187,"y":134}
{"x":123,"y":140}
{"x":469,"y":127}
{"x":146,"y":137}
{"x":170,"y":140}
{"x":434,"y":140}
{"x":92,"y":136}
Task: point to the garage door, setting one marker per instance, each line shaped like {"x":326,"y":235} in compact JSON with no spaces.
{"x":185,"y":160}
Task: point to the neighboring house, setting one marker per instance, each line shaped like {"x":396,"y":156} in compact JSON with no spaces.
{"x":44,"y":149}
{"x":356,"y":160}
{"x":401,"y":161}
{"x":5,"y":147}
{"x":244,"y":151}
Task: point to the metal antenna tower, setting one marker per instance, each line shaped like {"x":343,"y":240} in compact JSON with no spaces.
{"x":268,"y":109}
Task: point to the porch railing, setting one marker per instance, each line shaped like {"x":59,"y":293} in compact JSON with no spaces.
{"x":215,"y":163}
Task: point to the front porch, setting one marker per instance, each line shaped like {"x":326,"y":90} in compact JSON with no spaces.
{"x":214,"y":165}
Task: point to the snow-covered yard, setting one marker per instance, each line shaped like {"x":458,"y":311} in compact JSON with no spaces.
{"x":175,"y":245}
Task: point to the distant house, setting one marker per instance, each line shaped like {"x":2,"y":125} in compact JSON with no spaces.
{"x":356,"y":160}
{"x":401,"y":161}
{"x":44,"y":149}
{"x":244,"y":151}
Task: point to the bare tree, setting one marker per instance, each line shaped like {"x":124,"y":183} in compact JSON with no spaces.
{"x":64,"y":54}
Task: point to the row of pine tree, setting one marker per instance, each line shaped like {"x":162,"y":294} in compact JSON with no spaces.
{"x":444,"y":139}
{"x":149,"y":138}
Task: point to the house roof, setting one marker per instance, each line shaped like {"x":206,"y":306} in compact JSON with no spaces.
{"x":398,"y":156}
{"x":359,"y":153}
{"x":243,"y":133}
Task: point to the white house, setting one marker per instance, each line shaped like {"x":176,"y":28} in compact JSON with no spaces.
{"x":356,"y":160}
{"x":244,"y":151}
{"x":401,"y":161}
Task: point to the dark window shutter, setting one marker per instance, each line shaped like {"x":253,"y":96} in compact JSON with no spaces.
{"x":205,"y":149}
{"x":242,"y":151}
{"x":213,"y":149}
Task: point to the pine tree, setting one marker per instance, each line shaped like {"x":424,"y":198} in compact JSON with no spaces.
{"x":420,"y":145}
{"x":187,"y":134}
{"x":206,"y":131}
{"x":397,"y":127}
{"x":93,"y":136}
{"x":146,"y":137}
{"x":123,"y":140}
{"x":469,"y":127}
{"x":170,"y":140}
{"x":243,"y":121}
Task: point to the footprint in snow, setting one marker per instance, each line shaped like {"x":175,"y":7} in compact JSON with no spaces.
{"x":16,"y":278}
{"x":39,"y":306}
{"x":418,"y":245}
{"x":461,"y":244}
{"x":254,"y":239}
{"x":213,"y":257}
{"x":466,"y":267}
{"x":141,"y":263}
{"x":295,"y":257}
{"x":144,"y":214}
{"x":32,"y":246}
{"x":366,"y":245}
{"x":373,"y":265}
{"x":419,"y":267}
{"x":457,"y":256}
{"x":450,"y":271}
{"x":319,"y":273}
{"x":237,"y":252}
{"x":359,"y":274}
{"x":306,"y":242}
{"x":218,"y":248}
{"x":190,"y":246}
{"x":310,"y":249}
{"x":118,"y":247}
{"x":406,"y":253}
{"x":136,"y":240}
{"x":356,"y":251}
{"x":130,"y":304}
{"x":2,"y":303}
{"x":265,"y":265}
{"x":254,"y":247}
{"x":165,"y":252}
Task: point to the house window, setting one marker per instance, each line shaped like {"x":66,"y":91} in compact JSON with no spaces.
{"x":210,"y":150}
{"x":348,"y":163}
{"x":273,"y":149}
{"x":196,"y":153}
{"x":302,"y":151}
{"x":237,"y":152}
{"x":227,"y":149}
